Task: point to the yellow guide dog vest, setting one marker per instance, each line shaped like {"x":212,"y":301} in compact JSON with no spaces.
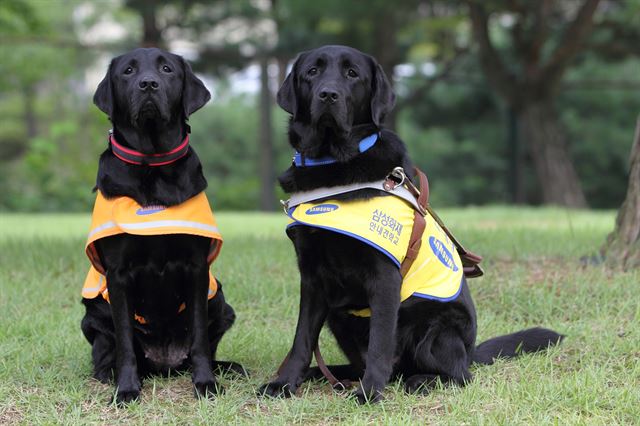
{"x":385,"y":223}
{"x":122,"y":215}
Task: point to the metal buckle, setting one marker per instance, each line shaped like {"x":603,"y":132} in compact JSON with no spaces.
{"x":285,"y":206}
{"x":396,"y":178}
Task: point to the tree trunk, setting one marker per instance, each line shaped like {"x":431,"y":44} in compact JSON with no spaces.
{"x":266,"y":160}
{"x":151,"y":33}
{"x":282,"y":69}
{"x":385,"y":52}
{"x":547,"y":143}
{"x":515,"y":179}
{"x":622,"y":248}
{"x":30,"y":119}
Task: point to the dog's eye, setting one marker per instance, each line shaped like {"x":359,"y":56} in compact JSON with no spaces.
{"x":313,"y":71}
{"x":166,"y":69}
{"x":128,"y":71}
{"x":351,"y":73}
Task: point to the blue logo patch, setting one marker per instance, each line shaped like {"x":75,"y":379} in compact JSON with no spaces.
{"x":143,"y":211}
{"x":442,"y":253}
{"x":321,"y":209}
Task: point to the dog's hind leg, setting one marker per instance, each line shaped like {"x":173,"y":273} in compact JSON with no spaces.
{"x":221,"y":318}
{"x":443,"y":358}
{"x":104,"y":358}
{"x":97,"y":327}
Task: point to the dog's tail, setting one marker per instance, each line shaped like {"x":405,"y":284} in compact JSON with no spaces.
{"x":511,"y":345}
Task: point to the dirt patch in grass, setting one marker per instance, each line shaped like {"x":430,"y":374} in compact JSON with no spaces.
{"x":11,"y":415}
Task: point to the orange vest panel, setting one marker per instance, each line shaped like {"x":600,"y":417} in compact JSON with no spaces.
{"x":122,"y":215}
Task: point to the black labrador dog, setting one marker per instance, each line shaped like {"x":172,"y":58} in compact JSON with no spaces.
{"x":148,"y":95}
{"x":336,"y":96}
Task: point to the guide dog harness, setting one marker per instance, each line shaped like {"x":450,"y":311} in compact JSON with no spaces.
{"x":400,"y":226}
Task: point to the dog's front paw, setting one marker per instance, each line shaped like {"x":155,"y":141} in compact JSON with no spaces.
{"x":125,"y":397}
{"x":128,"y":389}
{"x":277,"y":390}
{"x":207,"y":388}
{"x":128,"y":393}
{"x":370,"y":396}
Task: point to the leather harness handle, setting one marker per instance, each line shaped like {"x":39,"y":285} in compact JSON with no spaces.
{"x":423,"y":196}
{"x":470,"y":260}
{"x":419,"y":222}
{"x":415,"y":242}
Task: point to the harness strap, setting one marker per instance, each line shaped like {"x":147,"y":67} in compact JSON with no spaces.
{"x":415,"y":242}
{"x":419,"y":223}
{"x":333,"y":381}
{"x":320,"y":193}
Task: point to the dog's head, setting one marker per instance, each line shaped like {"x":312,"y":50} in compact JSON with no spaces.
{"x":329,"y":91}
{"x":150,"y":86}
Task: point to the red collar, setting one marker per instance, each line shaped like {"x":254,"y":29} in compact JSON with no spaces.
{"x":131,"y":156}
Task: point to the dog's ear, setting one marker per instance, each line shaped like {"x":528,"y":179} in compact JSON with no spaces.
{"x":103,"y":98}
{"x":287,"y":94}
{"x":194,"y":94}
{"x":382,"y":97}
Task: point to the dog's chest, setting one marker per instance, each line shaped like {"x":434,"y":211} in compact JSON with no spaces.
{"x":343,"y":267}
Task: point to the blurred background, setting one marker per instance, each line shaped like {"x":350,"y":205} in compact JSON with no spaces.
{"x":499,"y":101}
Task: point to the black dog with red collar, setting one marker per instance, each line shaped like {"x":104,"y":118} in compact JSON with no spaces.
{"x":148,"y":95}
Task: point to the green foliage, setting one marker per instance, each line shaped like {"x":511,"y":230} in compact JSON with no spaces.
{"x":58,"y":170}
{"x":225,"y":136}
{"x":601,"y":123}
{"x":51,"y":134}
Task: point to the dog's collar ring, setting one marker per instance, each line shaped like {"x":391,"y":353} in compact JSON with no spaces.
{"x":396,"y":178}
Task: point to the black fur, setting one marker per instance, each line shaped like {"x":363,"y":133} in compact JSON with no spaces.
{"x":421,"y":341}
{"x":149,"y":95}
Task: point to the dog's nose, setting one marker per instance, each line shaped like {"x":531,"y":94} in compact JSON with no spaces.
{"x":328,"y":95}
{"x":148,"y":83}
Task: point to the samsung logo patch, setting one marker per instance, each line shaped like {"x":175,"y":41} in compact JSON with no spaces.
{"x":322,"y":208}
{"x":442,"y":253}
{"x":143,"y":211}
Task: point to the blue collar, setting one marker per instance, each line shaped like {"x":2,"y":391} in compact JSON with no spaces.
{"x":300,"y":161}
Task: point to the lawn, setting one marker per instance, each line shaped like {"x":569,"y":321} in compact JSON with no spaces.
{"x":533,"y":277}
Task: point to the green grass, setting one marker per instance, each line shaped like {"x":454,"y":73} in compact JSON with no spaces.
{"x":533,"y":277}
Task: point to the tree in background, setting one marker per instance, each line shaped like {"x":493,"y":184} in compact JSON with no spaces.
{"x":42,"y":131}
{"x":23,"y":69}
{"x":622,"y":248}
{"x":528,"y":76}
